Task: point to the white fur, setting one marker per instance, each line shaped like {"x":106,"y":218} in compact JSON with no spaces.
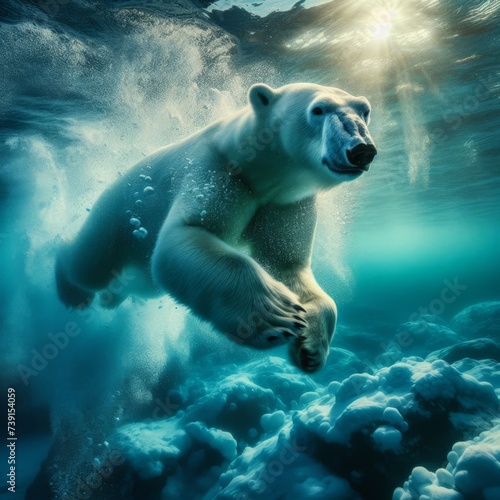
{"x":231,"y":223}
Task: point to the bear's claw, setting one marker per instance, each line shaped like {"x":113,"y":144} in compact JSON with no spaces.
{"x":307,"y":354}
{"x":308,"y":360}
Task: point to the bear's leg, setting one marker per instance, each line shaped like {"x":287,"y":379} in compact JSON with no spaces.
{"x":92,"y":262}
{"x":310,"y":351}
{"x":70,"y":294}
{"x":225,"y":287}
{"x":282,"y":238}
{"x":80,"y":274}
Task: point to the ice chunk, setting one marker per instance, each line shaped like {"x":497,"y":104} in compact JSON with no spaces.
{"x":278,"y":448}
{"x":308,"y":397}
{"x":357,"y":415}
{"x":217,"y":439}
{"x":445,"y":478}
{"x":420,"y":475}
{"x":272,"y":421}
{"x":151,"y":447}
{"x":473,"y":472}
{"x":478,"y":469}
{"x":393,"y":417}
{"x":387,"y":438}
{"x":333,"y":387}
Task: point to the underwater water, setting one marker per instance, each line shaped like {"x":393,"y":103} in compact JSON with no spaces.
{"x":146,"y":401}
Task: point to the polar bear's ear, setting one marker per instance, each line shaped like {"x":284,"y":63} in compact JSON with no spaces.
{"x":261,"y":96}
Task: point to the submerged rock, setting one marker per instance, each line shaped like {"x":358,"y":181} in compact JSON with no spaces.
{"x":479,"y":320}
{"x":264,"y":430}
{"x":420,"y":337}
{"x":227,"y":414}
{"x":476,"y":349}
{"x":472,"y":472}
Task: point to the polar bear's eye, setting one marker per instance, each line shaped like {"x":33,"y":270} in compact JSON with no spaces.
{"x":317,"y":111}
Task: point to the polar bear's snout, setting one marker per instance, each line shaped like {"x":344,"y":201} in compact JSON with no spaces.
{"x":348,"y":147}
{"x":361,"y":155}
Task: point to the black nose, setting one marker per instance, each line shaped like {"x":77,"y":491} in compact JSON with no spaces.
{"x":361,"y":155}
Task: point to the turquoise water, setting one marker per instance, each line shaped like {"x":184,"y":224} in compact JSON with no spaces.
{"x":87,"y":88}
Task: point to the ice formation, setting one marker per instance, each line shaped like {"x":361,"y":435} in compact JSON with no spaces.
{"x":265,"y":431}
{"x":472,"y":471}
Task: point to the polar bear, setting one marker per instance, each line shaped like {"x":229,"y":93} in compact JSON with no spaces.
{"x":224,"y":220}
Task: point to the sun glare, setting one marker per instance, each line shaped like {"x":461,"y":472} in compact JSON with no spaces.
{"x":381,"y":24}
{"x":381,"y":31}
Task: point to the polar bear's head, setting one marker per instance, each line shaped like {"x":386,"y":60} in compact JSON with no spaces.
{"x":322,"y":130}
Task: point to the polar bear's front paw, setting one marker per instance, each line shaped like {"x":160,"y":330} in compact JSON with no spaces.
{"x":276,"y":315}
{"x":309,"y":351}
{"x":281,"y":323}
{"x":276,"y":336}
{"x":310,"y":357}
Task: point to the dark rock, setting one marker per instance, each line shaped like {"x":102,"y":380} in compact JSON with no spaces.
{"x":419,"y":338}
{"x":479,"y":320}
{"x":431,"y":318}
{"x":475,"y":349}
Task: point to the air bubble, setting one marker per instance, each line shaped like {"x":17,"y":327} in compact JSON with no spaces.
{"x":140,"y":233}
{"x":138,"y":203}
{"x":135,"y":222}
{"x":148,"y":191}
